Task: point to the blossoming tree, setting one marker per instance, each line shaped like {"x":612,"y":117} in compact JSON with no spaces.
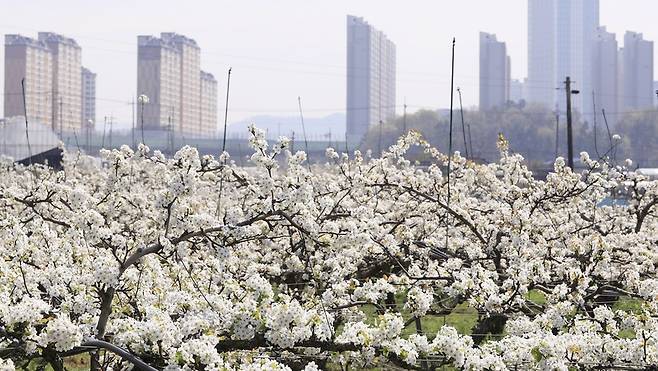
{"x":194,"y":263}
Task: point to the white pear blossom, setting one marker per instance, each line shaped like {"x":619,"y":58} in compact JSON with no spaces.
{"x":193,"y":262}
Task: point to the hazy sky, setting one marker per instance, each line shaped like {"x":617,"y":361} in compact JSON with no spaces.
{"x":287,"y":48}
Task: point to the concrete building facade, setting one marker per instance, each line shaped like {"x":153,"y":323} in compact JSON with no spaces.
{"x":561,"y":36}
{"x":51,"y":66}
{"x":30,"y":59}
{"x":605,"y":72}
{"x":636,"y":72}
{"x":67,"y":81}
{"x":577,"y":24}
{"x":542,"y":61}
{"x":158,"y":77}
{"x":169,"y":74}
{"x":190,"y":81}
{"x":494,"y":72}
{"x":517,"y":93}
{"x":208,"y":111}
{"x":88,"y":97}
{"x":371,"y":85}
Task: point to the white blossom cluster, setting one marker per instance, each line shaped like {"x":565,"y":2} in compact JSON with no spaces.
{"x":192,"y":262}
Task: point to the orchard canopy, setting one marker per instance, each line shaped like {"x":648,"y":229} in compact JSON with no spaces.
{"x":195,"y":263}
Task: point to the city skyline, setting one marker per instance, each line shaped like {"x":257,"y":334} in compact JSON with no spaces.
{"x":268,"y":75}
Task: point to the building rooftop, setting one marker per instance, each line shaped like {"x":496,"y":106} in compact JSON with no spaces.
{"x":356,"y":19}
{"x":207,"y":76}
{"x":360,"y":22}
{"x":168,"y":40}
{"x":178,"y":39}
{"x":51,"y":37}
{"x":86,"y":71}
{"x":15,"y":39}
{"x":488,"y":36}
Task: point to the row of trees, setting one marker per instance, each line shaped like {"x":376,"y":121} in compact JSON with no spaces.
{"x":531,"y":131}
{"x":194,"y":263}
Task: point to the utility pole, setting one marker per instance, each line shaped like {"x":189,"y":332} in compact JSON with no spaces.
{"x":132,"y":103}
{"x":301,"y":115}
{"x":461,"y":109}
{"x":596,"y":146}
{"x":60,"y":117}
{"x":379,"y":149}
{"x":567,"y":84}
{"x":170,"y":131}
{"x":27,"y":131}
{"x":404,"y":117}
{"x":228,"y":90}
{"x":104,"y":129}
{"x":111,"y":127}
{"x":557,"y":131}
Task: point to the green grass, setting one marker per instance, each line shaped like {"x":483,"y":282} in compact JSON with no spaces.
{"x":74,"y":363}
{"x":463,"y":318}
{"x":629,"y":305}
{"x":536,"y":297}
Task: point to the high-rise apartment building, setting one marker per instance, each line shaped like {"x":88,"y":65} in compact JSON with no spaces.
{"x":561,"y":35}
{"x":370,"y":78}
{"x":29,"y":59}
{"x":169,"y":74}
{"x":578,"y":21}
{"x":67,"y":85}
{"x":494,"y":72}
{"x":158,"y":78}
{"x":208,"y":104}
{"x":541,"y":82}
{"x":88,"y":97}
{"x":51,"y":66}
{"x":636,"y":72}
{"x":517,"y":90}
{"x":605,"y":72}
{"x":190,"y":81}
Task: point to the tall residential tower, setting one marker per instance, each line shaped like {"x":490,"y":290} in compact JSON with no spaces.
{"x":169,"y":74}
{"x":636,"y":72}
{"x":605,"y":73}
{"x":542,"y":79}
{"x":208,"y":104}
{"x":88,"y":97}
{"x":370,"y":78}
{"x":67,"y":84}
{"x":30,"y":59}
{"x":494,"y":72}
{"x":561,"y":37}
